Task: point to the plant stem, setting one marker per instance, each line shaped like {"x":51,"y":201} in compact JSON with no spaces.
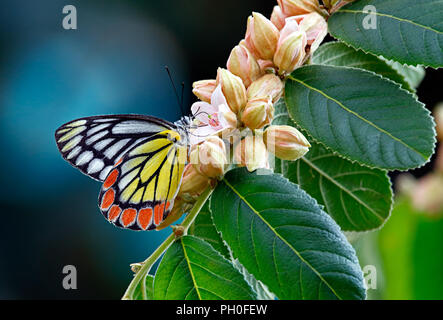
{"x":149,"y":262}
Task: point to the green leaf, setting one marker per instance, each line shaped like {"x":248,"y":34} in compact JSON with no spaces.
{"x":204,"y":229}
{"x":408,"y":31}
{"x":259,"y":288}
{"x":283,"y":238}
{"x":192,"y":270}
{"x":147,"y":289}
{"x":357,"y":197}
{"x":413,"y":75}
{"x":361,"y":116}
{"x":339,"y":54}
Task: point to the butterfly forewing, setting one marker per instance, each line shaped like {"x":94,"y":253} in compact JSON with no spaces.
{"x":139,"y":191}
{"x":95,"y":144}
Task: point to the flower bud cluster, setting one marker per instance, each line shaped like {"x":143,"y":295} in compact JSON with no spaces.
{"x":238,"y":105}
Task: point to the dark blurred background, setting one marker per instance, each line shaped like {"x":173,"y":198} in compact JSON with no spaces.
{"x":113,"y":63}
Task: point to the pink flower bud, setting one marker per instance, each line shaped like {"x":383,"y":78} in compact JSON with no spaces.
{"x":203,"y":89}
{"x":296,"y":7}
{"x":291,"y":48}
{"x":243,"y":64}
{"x":337,"y":4}
{"x":286,"y":142}
{"x":261,"y":36}
{"x":316,"y":29}
{"x":209,"y":158}
{"x":268,"y":85}
{"x":193,"y":183}
{"x":266,"y":66}
{"x":278,"y":18}
{"x":258,"y":113}
{"x":233,"y":89}
{"x":251,"y":153}
{"x":428,"y":194}
{"x":438,"y":115}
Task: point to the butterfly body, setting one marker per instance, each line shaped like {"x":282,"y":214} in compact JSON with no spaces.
{"x":139,"y":159}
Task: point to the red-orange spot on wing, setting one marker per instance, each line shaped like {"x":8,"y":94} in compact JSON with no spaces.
{"x":108,"y":199}
{"x":128,"y":216}
{"x":144,"y":217}
{"x":118,"y":162}
{"x":114,"y":212}
{"x":158,"y":213}
{"x":110,"y":180}
{"x":167,"y":206}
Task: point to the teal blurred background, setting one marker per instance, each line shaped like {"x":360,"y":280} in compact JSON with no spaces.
{"x":114,"y":63}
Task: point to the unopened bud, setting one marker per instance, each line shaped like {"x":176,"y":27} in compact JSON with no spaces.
{"x":179,"y":208}
{"x":296,"y":7}
{"x":243,"y":64}
{"x":266,"y":66}
{"x":316,"y":29}
{"x":286,"y":142}
{"x":258,"y":113}
{"x":278,"y":18}
{"x":268,"y":85}
{"x":233,"y":89}
{"x":251,"y":153}
{"x":203,"y":89}
{"x":428,"y":194}
{"x":291,"y":49}
{"x":261,"y":36}
{"x":438,"y":115}
{"x":209,"y":158}
{"x":337,"y":4}
{"x":193,"y":183}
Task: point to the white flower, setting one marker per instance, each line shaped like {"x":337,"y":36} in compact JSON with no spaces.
{"x":211,"y":118}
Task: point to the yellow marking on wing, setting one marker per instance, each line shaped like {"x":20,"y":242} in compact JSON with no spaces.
{"x":131,"y":164}
{"x":153,"y":164}
{"x":71,"y":134}
{"x":76,"y":123}
{"x":150,"y":190}
{"x":137,"y":197}
{"x":174,"y":135}
{"x":174,"y":178}
{"x":63,"y":130}
{"x":164,"y":178}
{"x":150,"y":146}
{"x":72,"y":143}
{"x":129,"y":190}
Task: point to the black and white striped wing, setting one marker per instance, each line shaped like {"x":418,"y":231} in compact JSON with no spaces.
{"x":94,"y":144}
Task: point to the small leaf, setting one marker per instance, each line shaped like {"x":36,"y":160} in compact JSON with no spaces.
{"x":413,"y":75}
{"x":361,"y":116}
{"x":147,"y":289}
{"x":203,"y":228}
{"x":407,"y":31}
{"x":192,"y":270}
{"x":339,"y":54}
{"x":357,"y":197}
{"x":259,"y":288}
{"x":283,"y":238}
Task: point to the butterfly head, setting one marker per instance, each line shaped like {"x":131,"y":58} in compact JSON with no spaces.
{"x":181,"y":136}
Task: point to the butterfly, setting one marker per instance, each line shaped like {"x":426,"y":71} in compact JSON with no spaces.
{"x":139,"y":160}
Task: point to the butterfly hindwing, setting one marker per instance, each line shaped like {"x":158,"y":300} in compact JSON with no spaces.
{"x":95,"y":144}
{"x":139,"y":191}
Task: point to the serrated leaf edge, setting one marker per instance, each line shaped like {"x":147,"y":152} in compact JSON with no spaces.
{"x":409,"y":63}
{"x":364,"y":164}
{"x":336,"y":154}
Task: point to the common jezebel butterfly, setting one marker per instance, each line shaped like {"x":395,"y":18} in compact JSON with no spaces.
{"x":139,"y":159}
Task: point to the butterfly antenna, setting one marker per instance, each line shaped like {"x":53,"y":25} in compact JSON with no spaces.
{"x":175,"y":90}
